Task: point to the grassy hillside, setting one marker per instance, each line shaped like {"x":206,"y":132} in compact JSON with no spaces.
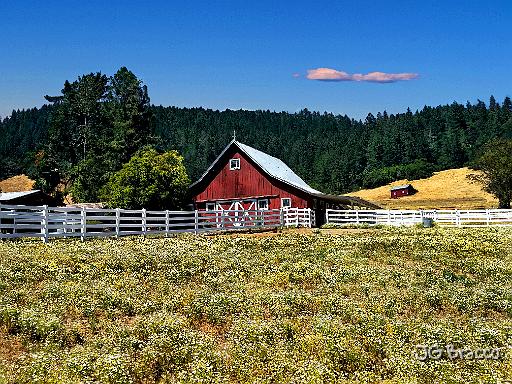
{"x":445,"y":189}
{"x":284,"y":308}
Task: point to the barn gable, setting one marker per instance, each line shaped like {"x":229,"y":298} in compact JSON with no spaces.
{"x":246,"y":185}
{"x":271,"y":166}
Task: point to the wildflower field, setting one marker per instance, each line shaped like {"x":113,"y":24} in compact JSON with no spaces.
{"x":293,"y":307}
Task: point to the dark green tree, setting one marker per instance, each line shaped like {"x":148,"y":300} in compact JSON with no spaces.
{"x":97,"y":124}
{"x":333,"y":153}
{"x":495,"y":165}
{"x":130,"y":107}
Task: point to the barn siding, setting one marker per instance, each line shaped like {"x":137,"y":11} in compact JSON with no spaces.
{"x":396,"y":193}
{"x":248,"y":181}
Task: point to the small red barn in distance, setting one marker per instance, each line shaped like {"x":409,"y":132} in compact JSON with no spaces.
{"x":402,"y":190}
{"x":244,"y":178}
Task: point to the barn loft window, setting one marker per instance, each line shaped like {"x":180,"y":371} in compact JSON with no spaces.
{"x":234,"y":164}
{"x":263,"y":204}
{"x":286,"y":202}
{"x":210,"y":206}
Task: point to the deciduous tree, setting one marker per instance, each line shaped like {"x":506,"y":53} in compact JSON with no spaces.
{"x":149,"y":180}
{"x":495,"y":165}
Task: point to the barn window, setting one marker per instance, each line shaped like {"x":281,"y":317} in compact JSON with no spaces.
{"x":210,"y":206}
{"x":234,"y":164}
{"x":286,"y":202}
{"x":263,"y":204}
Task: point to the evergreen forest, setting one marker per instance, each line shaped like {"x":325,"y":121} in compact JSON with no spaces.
{"x":84,"y":135}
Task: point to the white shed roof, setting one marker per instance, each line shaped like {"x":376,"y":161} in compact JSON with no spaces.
{"x":7,"y":196}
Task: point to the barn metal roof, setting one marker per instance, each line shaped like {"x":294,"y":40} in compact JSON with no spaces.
{"x":405,"y":186}
{"x":269,"y":164}
{"x":7,"y":196}
{"x":276,"y":168}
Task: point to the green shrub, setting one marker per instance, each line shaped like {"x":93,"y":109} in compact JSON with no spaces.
{"x":419,"y":169}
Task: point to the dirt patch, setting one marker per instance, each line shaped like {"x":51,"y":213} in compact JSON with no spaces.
{"x":265,"y":232}
{"x":11,"y":348}
{"x":303,"y":231}
{"x":348,"y":231}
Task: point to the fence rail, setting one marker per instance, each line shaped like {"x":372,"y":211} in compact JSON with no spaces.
{"x":459,"y":218}
{"x":17,"y":221}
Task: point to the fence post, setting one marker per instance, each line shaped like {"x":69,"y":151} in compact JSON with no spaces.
{"x":327,"y":216}
{"x":65,"y":224}
{"x":144,"y":229}
{"x":281,"y":217}
{"x":196,"y":221}
{"x":357,"y":216}
{"x":297,"y":217}
{"x":44,"y":228}
{"x":118,"y":221}
{"x":457,"y":218}
{"x":166,"y":222}
{"x":83,"y":223}
{"x":2,"y":215}
{"x":389,"y":217}
{"x":488,"y":216}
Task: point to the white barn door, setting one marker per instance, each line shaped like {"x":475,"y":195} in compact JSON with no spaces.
{"x":235,"y":212}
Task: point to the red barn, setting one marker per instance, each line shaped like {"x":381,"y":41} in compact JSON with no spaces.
{"x":402,"y":190}
{"x":244,"y":178}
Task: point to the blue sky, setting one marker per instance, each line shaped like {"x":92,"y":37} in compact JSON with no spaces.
{"x":256,"y":55}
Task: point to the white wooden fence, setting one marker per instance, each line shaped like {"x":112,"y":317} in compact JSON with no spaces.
{"x":459,"y":218}
{"x":45,"y":222}
{"x":298,"y":217}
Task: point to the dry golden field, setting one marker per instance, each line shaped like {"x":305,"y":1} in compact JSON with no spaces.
{"x":445,"y":189}
{"x":17,"y":184}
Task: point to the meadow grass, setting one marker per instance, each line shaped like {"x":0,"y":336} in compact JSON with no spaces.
{"x":292,"y":307}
